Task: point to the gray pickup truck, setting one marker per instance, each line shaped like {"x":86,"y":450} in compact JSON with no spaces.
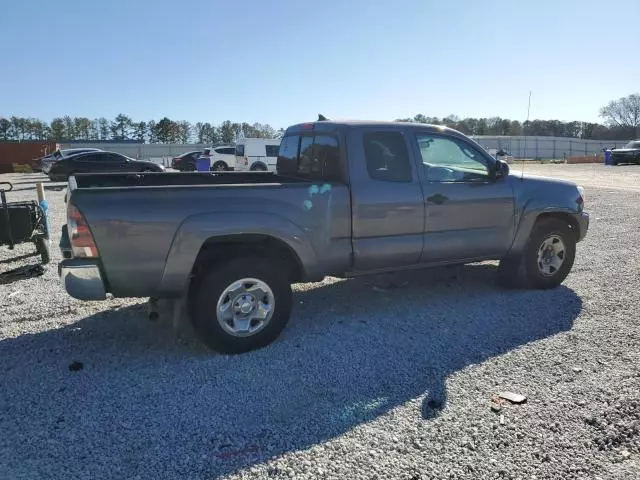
{"x":349,"y":198}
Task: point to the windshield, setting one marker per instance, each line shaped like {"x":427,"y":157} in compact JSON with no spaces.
{"x":633,"y":144}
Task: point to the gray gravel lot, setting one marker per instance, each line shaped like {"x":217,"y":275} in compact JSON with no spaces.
{"x":391,"y":382}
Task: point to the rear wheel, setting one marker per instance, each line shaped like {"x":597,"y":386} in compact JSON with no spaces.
{"x":241,"y":305}
{"x":219,"y":167}
{"x":258,"y":167}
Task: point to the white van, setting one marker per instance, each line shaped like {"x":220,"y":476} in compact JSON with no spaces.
{"x":257,"y":154}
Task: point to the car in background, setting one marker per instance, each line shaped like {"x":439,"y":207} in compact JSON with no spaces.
{"x":630,"y":153}
{"x":45,"y":162}
{"x":257,"y":154}
{"x":221,"y":158}
{"x":99,"y":162}
{"x":186,"y":162}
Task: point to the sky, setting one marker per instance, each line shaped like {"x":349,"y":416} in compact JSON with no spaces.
{"x":283,"y":61}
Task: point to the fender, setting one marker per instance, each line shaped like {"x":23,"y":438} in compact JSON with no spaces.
{"x":195,"y":230}
{"x":531,"y":210}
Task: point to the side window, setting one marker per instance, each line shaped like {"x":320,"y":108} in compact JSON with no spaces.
{"x":327,"y":155}
{"x":240,"y":150}
{"x":288,"y":155}
{"x":96,"y":157}
{"x":305,"y":163}
{"x":111,"y":158}
{"x":272,"y":150}
{"x":228,"y":151}
{"x":316,"y":157}
{"x":451,"y":160}
{"x":387,"y":156}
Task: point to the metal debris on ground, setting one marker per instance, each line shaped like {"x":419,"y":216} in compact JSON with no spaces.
{"x":577,"y":369}
{"x":513,"y":397}
{"x":75,"y":366}
{"x":501,"y":419}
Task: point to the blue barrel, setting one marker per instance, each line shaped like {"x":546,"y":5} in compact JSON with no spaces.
{"x":608,"y":157}
{"x":202,"y":164}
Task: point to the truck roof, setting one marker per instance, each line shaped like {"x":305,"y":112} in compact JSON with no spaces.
{"x":333,"y":125}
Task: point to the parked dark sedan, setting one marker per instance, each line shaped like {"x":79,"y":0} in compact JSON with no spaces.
{"x":186,"y":162}
{"x":99,"y":162}
{"x":44,"y":164}
{"x":630,"y":153}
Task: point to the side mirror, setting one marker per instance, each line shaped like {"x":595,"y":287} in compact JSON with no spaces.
{"x":502,"y":169}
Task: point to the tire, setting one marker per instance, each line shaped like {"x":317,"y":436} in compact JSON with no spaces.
{"x":42,"y":247}
{"x":258,"y":167}
{"x":535,"y":267}
{"x":214,"y":289}
{"x":219,"y":167}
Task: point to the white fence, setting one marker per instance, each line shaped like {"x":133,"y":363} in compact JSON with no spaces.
{"x":546,"y":147}
{"x":518,"y":147}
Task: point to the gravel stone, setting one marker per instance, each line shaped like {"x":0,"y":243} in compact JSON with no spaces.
{"x":411,"y":384}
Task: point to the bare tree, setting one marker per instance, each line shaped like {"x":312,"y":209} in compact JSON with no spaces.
{"x":624,"y":112}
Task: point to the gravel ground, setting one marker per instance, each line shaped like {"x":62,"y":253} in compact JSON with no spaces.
{"x":387,"y":377}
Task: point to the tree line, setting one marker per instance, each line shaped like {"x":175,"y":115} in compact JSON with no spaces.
{"x":543,"y":128}
{"x":621,"y":122}
{"x":122,"y":127}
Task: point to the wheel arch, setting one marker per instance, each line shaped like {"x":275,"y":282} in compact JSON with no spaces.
{"x":259,"y":163}
{"x":531,"y":216}
{"x":205,"y":238}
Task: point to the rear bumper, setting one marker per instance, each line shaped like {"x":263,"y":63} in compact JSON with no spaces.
{"x":583,"y":225}
{"x":82,"y":279}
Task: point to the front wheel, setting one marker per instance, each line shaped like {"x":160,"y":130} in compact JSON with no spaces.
{"x":547,"y":259}
{"x":241,"y":305}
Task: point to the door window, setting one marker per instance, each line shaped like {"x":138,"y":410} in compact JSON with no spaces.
{"x":387,"y":156}
{"x":447,"y":159}
{"x":226,"y":151}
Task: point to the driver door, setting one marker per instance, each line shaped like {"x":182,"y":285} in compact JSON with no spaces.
{"x":469,"y":214}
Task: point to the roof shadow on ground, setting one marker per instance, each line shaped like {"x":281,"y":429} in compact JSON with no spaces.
{"x":155,"y":407}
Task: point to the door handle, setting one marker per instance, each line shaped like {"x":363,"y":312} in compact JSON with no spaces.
{"x":438,"y":199}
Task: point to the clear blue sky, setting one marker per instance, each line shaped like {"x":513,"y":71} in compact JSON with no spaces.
{"x":285,"y":61}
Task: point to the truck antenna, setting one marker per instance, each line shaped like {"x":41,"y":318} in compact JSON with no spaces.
{"x":524,"y":130}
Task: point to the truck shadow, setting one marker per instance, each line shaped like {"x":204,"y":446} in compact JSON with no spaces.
{"x":354,"y":351}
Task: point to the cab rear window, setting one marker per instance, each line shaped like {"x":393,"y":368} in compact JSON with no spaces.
{"x":310,"y":156}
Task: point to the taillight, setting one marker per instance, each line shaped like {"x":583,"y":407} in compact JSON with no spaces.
{"x":246,"y":161}
{"x":82,"y":243}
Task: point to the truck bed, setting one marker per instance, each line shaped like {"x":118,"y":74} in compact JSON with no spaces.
{"x":150,"y":227}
